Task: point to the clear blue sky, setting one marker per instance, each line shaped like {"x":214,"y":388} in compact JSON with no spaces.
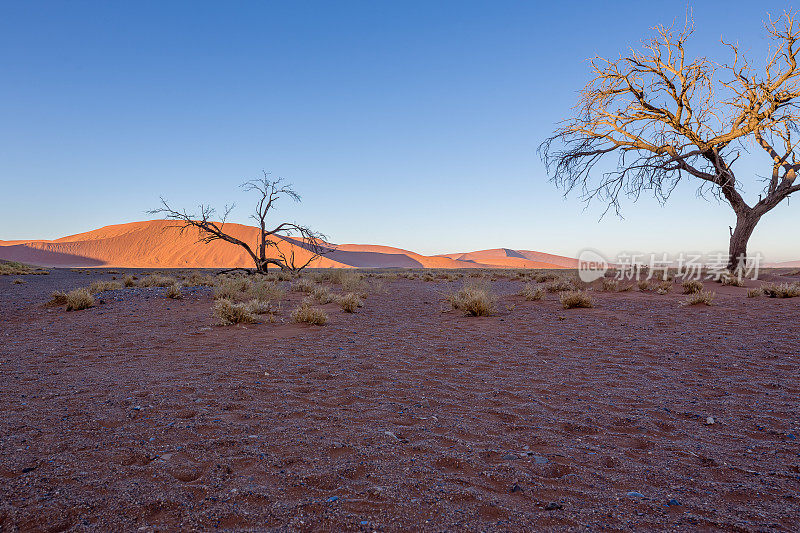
{"x":413,"y":124}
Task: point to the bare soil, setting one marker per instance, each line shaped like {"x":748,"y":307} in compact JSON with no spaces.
{"x":140,"y":414}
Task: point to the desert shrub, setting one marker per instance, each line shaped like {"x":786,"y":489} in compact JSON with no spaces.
{"x":643,"y":285}
{"x":474,"y":299}
{"x":531,"y":292}
{"x":428,"y":277}
{"x":173,"y":291}
{"x":755,"y":293}
{"x":261,"y":307}
{"x":626,"y":288}
{"x":322,"y":294}
{"x":781,"y":290}
{"x":157,"y":280}
{"x":691,"y":286}
{"x":79,"y":299}
{"x":305,"y":314}
{"x":304,"y":285}
{"x":349,"y":302}
{"x":102,"y":286}
{"x":129,"y":281}
{"x":573,"y":299}
{"x":228,"y":312}
{"x":699,"y":298}
{"x":734,"y":281}
{"x":234,"y":288}
{"x":18,"y":281}
{"x":610,"y":285}
{"x":664,"y":287}
{"x":197,"y":279}
{"x":58,"y":298}
{"x":266,"y":290}
{"x":560,"y":285}
{"x":544,"y":277}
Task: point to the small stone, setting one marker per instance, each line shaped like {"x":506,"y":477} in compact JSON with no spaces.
{"x":634,"y":494}
{"x":516,"y":488}
{"x":364,"y":522}
{"x":539,"y":460}
{"x":510,"y":457}
{"x":332,"y":499}
{"x":673,"y":502}
{"x":791,"y":436}
{"x":552,"y":506}
{"x":710,"y":421}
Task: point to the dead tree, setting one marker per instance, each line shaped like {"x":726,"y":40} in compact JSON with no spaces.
{"x":270,"y":248}
{"x":669,"y":117}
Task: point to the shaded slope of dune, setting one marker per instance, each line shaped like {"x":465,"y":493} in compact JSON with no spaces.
{"x":160,"y":244}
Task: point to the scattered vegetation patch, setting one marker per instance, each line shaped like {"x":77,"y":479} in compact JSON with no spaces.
{"x":575,"y":299}
{"x":474,"y":299}
{"x":322,"y":295}
{"x":304,"y":285}
{"x":79,"y":299}
{"x":58,"y":298}
{"x":306,"y":314}
{"x":700,"y":298}
{"x":781,"y":290}
{"x":129,"y":281}
{"x":755,"y":293}
{"x":15,"y":268}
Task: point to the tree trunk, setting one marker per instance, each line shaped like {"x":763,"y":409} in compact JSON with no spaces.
{"x":737,"y":252}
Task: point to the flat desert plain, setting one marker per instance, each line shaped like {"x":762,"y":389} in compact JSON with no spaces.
{"x":141,"y":414}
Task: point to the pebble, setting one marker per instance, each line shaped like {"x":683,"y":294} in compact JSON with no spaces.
{"x":516,"y":488}
{"x":709,"y":420}
{"x":673,"y":502}
{"x":634,"y":494}
{"x":510,"y":457}
{"x":332,"y":499}
{"x":552,"y":506}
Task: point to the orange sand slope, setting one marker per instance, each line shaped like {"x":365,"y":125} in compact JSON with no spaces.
{"x":159,"y":244}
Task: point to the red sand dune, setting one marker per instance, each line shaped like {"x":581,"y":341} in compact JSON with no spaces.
{"x":160,"y":244}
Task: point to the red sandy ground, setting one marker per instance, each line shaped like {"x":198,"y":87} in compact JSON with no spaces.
{"x":138,"y":414}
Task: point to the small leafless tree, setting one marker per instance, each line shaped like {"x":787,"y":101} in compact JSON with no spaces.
{"x":669,"y":117}
{"x":271,"y":248}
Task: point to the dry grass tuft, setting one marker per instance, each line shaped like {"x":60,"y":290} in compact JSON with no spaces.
{"x":200,"y":280}
{"x":700,"y":298}
{"x":305,"y":314}
{"x":157,"y":280}
{"x":322,"y":295}
{"x":643,"y":285}
{"x":229,"y":313}
{"x":474,"y":299}
{"x":781,"y":290}
{"x":610,"y":285}
{"x":755,"y":293}
{"x":173,"y":291}
{"x":576,"y":299}
{"x":560,"y":285}
{"x":349,"y":302}
{"x":733,"y":281}
{"x":18,"y":281}
{"x":664,"y":287}
{"x":265,"y":289}
{"x":691,"y":286}
{"x":531,"y":292}
{"x":58,"y":298}
{"x":102,"y":286}
{"x":129,"y":281}
{"x":304,"y":285}
{"x":79,"y":299}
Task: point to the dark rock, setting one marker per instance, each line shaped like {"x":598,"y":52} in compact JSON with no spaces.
{"x":552,"y":506}
{"x":673,"y":502}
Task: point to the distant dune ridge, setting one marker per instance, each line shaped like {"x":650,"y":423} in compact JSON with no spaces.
{"x":160,"y":244}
